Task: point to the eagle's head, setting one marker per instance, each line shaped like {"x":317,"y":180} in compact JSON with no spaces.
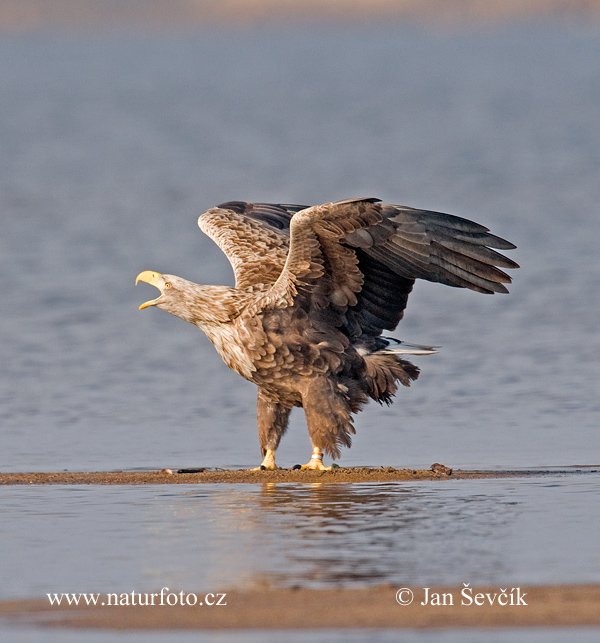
{"x":190,"y":301}
{"x":161,"y":282}
{"x":174,"y":292}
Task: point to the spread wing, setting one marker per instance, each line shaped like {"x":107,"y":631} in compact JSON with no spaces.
{"x":253,"y":236}
{"x":319,"y":266}
{"x":354,"y":261}
{"x":420,"y":244}
{"x":410,"y":244}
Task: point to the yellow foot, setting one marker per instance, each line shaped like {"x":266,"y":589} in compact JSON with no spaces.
{"x":268,"y":463}
{"x":317,"y":464}
{"x":316,"y":461}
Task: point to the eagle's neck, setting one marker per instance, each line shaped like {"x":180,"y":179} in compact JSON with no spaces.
{"x":212,"y":304}
{"x":214,"y":310}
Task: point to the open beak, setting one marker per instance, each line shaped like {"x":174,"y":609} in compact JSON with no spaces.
{"x":155,"y":279}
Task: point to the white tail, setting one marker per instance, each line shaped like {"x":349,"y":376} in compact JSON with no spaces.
{"x":396,"y":347}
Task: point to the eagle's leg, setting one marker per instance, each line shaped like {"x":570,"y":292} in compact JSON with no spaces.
{"x":328,"y":418}
{"x":268,"y":462}
{"x":316,"y":461}
{"x":272,"y":424}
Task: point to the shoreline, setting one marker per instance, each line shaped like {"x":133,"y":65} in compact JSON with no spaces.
{"x":248,"y":476}
{"x":25,"y":15}
{"x":376,"y":607}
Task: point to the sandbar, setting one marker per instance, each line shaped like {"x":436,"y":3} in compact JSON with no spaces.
{"x":314,"y":609}
{"x":247,"y":476}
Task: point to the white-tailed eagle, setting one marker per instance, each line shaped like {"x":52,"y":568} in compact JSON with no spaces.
{"x":315,"y":287}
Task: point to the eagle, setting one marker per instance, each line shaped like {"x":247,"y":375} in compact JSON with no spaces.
{"x":315,"y":287}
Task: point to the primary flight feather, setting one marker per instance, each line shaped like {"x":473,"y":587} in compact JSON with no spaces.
{"x":315,"y":287}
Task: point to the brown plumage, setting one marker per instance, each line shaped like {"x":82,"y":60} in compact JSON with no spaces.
{"x":314,"y":289}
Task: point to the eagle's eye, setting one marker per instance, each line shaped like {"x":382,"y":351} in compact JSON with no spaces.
{"x":167,"y":285}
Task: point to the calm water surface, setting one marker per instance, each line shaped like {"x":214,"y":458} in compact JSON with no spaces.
{"x":553,"y":635}
{"x":110,"y":148}
{"x":215,"y":537}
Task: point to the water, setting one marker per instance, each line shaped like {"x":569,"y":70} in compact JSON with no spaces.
{"x":111,"y":147}
{"x":506,"y":532}
{"x":546,"y":635}
{"x":217,"y":537}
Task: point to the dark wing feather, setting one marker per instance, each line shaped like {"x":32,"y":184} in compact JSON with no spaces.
{"x":381,"y":302}
{"x":440,"y":247}
{"x":414,"y":244}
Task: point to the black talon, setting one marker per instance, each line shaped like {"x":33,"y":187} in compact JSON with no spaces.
{"x":297,"y":466}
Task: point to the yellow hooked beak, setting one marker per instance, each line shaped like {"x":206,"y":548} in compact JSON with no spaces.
{"x":155,"y":279}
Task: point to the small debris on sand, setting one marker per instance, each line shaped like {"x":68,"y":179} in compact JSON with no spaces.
{"x":440,"y":469}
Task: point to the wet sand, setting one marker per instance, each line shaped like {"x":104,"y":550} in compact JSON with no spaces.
{"x":202,"y":476}
{"x":560,"y":606}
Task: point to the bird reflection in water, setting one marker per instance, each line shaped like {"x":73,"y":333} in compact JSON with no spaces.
{"x":333,"y":534}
